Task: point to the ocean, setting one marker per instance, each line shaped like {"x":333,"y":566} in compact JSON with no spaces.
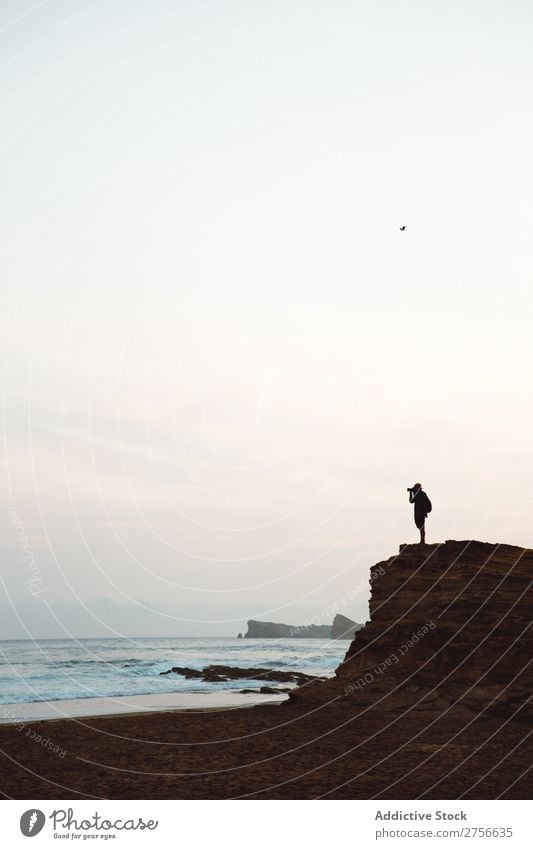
{"x":56,"y":670}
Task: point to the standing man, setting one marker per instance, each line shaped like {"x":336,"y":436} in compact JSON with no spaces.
{"x":418,"y":497}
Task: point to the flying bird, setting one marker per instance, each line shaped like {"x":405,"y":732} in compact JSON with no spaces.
{"x":403,"y":227}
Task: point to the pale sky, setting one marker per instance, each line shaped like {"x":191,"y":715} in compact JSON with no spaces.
{"x":223,"y":363}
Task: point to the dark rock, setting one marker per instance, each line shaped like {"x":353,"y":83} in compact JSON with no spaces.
{"x":185,"y":671}
{"x":274,"y":690}
{"x":218,"y":673}
{"x":259,"y":674}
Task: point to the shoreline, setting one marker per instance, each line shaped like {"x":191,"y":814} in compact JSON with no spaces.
{"x":18,"y":713}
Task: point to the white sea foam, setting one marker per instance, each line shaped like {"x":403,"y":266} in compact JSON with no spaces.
{"x":52,"y":670}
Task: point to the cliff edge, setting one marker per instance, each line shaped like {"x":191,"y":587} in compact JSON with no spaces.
{"x":449,"y":631}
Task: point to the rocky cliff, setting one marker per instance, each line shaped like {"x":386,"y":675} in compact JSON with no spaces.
{"x":341,"y":629}
{"x":449,"y":630}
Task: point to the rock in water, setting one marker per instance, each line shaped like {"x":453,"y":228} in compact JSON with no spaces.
{"x":216,"y":673}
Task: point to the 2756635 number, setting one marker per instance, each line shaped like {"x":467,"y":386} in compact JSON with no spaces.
{"x":487,"y":832}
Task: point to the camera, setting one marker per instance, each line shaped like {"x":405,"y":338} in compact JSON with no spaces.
{"x":410,"y":489}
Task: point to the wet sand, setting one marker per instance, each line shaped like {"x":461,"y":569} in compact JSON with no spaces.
{"x":120,"y":705}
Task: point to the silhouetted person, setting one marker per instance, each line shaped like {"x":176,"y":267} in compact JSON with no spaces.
{"x":418,"y":497}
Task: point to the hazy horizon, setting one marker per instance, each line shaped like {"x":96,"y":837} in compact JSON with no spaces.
{"x":223,"y":361}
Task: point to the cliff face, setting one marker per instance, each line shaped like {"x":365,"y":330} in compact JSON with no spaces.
{"x":449,"y":629}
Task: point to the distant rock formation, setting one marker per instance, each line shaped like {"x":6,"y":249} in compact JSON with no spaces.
{"x":342,"y":628}
{"x":239,"y":636}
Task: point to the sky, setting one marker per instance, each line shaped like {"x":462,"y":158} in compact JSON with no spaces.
{"x":222,"y":361}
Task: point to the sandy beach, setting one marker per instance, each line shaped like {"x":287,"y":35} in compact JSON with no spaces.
{"x":266,"y":752}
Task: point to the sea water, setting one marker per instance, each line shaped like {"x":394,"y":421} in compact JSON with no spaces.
{"x":50,"y":670}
